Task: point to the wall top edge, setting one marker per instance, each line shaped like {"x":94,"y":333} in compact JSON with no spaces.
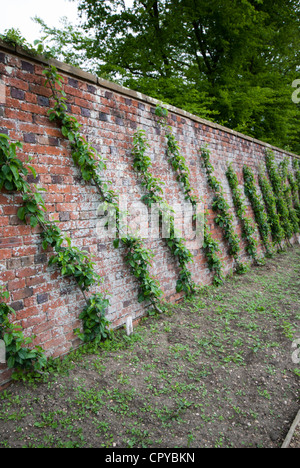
{"x":89,"y":77}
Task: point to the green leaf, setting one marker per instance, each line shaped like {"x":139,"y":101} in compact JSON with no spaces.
{"x":33,"y":171}
{"x":116,"y":243}
{"x":15,"y":171}
{"x":33,"y":221}
{"x":21,"y":213}
{"x":8,"y":185}
{"x":10,"y":362}
{"x":8,"y":339}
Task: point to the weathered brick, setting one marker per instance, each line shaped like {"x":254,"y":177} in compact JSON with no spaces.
{"x":103,"y":116}
{"x":91,"y":89}
{"x":17,"y":94}
{"x":5,"y":253}
{"x":72,"y":82}
{"x":30,"y":138}
{"x":26,"y":66}
{"x":17,"y":305}
{"x":43,"y":101}
{"x":42,"y":298}
{"x":40,"y":259}
{"x":22,"y":294}
{"x":85,"y":112}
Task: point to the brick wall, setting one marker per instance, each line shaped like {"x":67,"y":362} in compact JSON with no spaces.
{"x":46,"y":304}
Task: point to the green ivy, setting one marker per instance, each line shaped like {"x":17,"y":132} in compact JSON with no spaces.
{"x":76,"y":263}
{"x":139,"y":259}
{"x":270,"y":203}
{"x":248,"y":230}
{"x":258,"y":209}
{"x":13,"y":172}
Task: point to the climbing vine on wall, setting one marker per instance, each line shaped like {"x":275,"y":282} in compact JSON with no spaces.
{"x":287,"y":193}
{"x":295,"y":193}
{"x":175,"y":157}
{"x":270,"y":203}
{"x":224,"y":218}
{"x":281,"y":205}
{"x":212,"y":249}
{"x":248,"y":230}
{"x":210,"y":245}
{"x":142,"y":164}
{"x":91,"y":166}
{"x":12,"y":177}
{"x":296,"y":165}
{"x":19,"y":353}
{"x":258,"y":209}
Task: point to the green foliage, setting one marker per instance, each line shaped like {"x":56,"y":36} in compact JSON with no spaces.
{"x":258,"y":209}
{"x":296,"y":164}
{"x":142,"y":164}
{"x":295,"y":193}
{"x":84,"y":155}
{"x":178,"y":163}
{"x":287,"y":192}
{"x":247,"y":227}
{"x":95,"y":324}
{"x":13,"y":173}
{"x":276,"y":181}
{"x":211,"y":249}
{"x":224,"y":218}
{"x":76,"y":263}
{"x":14,"y":37}
{"x":293,"y":216}
{"x":33,"y":209}
{"x":270,"y":203}
{"x":139,"y":260}
{"x":52,"y":236}
{"x":176,"y":159}
{"x":19,"y":355}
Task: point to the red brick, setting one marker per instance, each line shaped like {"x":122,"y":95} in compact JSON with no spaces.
{"x":22,"y":294}
{"x":5,"y":253}
{"x":4,"y":220}
{"x":48,"y":304}
{"x":16,"y":284}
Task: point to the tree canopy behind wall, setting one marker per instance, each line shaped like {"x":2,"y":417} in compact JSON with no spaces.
{"x":230,"y":61}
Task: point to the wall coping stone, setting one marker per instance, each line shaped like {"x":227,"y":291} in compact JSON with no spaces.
{"x":91,"y":78}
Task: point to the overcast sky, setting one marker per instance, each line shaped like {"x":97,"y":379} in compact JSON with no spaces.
{"x":18,"y":13}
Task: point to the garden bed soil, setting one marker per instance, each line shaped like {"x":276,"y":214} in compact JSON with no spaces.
{"x":217,"y":370}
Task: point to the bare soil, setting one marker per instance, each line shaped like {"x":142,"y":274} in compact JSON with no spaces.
{"x":217,"y":371}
